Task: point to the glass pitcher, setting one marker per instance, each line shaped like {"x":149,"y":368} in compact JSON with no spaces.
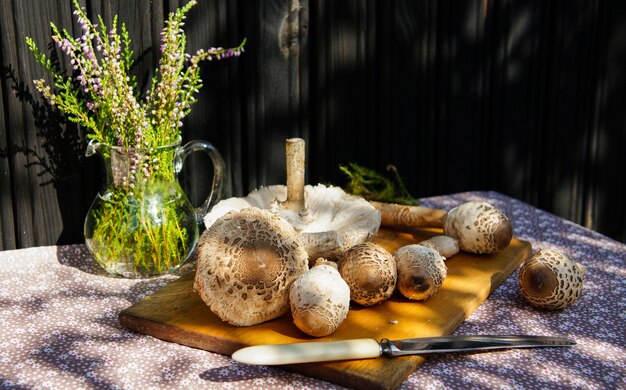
{"x":141,"y":223}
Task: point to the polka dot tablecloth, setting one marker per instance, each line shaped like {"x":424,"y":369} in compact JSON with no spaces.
{"x":59,"y":327}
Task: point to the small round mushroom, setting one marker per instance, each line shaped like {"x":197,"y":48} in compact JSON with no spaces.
{"x":421,"y":271}
{"x":320,"y":299}
{"x":370,"y":272}
{"x":550,"y":280}
{"x":479,"y":226}
{"x":247,"y":262}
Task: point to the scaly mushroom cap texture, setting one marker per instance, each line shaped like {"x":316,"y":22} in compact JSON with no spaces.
{"x":247,"y":261}
{"x":479,"y":227}
{"x":421,"y":271}
{"x":550,"y":280}
{"x":370,"y":272}
{"x":320,"y":300}
{"x":332,"y":220}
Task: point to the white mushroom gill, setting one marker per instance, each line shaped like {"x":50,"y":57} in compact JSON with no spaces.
{"x":332,"y":221}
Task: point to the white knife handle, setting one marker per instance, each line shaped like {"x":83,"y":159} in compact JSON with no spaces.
{"x":308,"y":352}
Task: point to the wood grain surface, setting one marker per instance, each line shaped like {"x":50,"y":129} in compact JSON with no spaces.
{"x":177,"y":314}
{"x":526,"y":100}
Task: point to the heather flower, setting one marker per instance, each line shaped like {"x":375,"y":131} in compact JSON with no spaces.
{"x":104,"y":97}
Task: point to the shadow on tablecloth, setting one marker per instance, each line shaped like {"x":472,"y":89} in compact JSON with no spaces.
{"x":78,"y":256}
{"x":236,"y":373}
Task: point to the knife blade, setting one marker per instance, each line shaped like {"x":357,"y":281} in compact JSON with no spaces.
{"x":323,"y":351}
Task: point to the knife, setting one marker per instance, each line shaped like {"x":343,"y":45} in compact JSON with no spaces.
{"x":308,"y":352}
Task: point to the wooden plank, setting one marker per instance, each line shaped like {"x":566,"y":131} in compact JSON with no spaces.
{"x":605,"y":210}
{"x":7,"y":230}
{"x":407,"y":111}
{"x":344,"y":122}
{"x":50,"y":143}
{"x":270,"y":76}
{"x":532,"y":88}
{"x":176,"y":313}
{"x":53,"y":151}
{"x":15,"y":131}
{"x":217,"y":112}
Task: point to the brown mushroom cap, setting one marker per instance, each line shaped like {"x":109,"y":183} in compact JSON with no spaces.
{"x":247,"y":262}
{"x":421,"y":271}
{"x":479,"y":227}
{"x":320,"y":300}
{"x":370,"y":272}
{"x":550,"y":280}
{"x":332,"y":220}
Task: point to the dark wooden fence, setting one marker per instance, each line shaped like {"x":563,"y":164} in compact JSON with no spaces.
{"x":526,"y":98}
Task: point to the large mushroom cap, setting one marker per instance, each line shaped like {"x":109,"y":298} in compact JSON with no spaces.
{"x":479,"y":227}
{"x":332,"y":220}
{"x":247,"y":261}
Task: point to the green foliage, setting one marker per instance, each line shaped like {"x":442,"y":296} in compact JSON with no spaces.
{"x":372,"y":185}
{"x":130,"y":221}
{"x":102,"y":93}
{"x":145,"y":229}
{"x":132,"y":238}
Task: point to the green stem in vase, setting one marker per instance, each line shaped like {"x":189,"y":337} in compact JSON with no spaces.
{"x":134,"y":127}
{"x":155,"y":246}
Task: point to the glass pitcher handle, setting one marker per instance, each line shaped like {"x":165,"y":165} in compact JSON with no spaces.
{"x":218,"y":173}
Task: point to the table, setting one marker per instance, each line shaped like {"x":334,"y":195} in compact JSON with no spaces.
{"x":59,"y":328}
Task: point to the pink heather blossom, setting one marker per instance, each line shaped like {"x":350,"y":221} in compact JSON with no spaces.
{"x":115,"y":113}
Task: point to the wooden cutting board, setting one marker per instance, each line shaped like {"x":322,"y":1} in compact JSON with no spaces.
{"x":176,"y":313}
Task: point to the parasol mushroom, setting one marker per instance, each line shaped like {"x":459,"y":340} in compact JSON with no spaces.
{"x":247,"y":262}
{"x":478,"y":226}
{"x":370,"y":272}
{"x":320,"y":299}
{"x":421,"y":271}
{"x":550,"y":280}
{"x":329,"y":220}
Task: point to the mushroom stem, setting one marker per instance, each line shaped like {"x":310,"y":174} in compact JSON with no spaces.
{"x":478,"y":226}
{"x":399,"y":215}
{"x":295,"y":173}
{"x":446,"y":246}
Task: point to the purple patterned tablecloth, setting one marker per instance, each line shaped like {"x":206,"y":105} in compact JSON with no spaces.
{"x":59,"y":328}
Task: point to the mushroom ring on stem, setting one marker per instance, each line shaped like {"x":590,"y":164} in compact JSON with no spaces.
{"x":247,"y":262}
{"x":329,"y":220}
{"x":479,"y":226}
{"x":550,"y":280}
